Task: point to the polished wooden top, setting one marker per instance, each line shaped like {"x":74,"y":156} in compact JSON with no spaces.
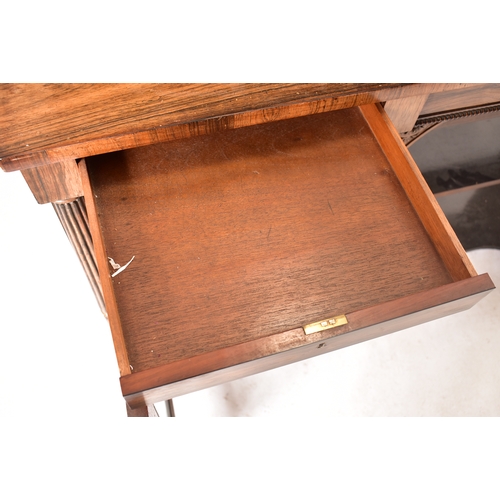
{"x":45,"y":123}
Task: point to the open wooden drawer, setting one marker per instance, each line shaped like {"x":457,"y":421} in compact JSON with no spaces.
{"x":241,"y":239}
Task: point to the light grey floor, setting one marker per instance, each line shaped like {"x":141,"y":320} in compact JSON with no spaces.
{"x":57,"y":353}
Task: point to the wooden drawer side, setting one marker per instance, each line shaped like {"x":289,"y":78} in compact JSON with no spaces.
{"x":437,"y":226}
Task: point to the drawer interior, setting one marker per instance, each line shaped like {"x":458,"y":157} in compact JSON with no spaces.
{"x":240,"y":235}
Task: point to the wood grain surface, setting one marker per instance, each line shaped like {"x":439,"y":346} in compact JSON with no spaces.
{"x":444,"y":238}
{"x":404,"y":112}
{"x":244,"y":234}
{"x":56,"y":182}
{"x":45,"y":123}
{"x":476,"y":95}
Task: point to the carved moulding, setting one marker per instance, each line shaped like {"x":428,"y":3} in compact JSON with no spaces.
{"x":428,"y":122}
{"x":74,"y":219}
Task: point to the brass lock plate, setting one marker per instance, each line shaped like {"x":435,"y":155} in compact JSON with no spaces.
{"x":325,"y":324}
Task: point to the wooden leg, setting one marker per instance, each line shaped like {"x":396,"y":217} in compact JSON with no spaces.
{"x":74,"y":219}
{"x":170,"y":408}
{"x":143,"y":411}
